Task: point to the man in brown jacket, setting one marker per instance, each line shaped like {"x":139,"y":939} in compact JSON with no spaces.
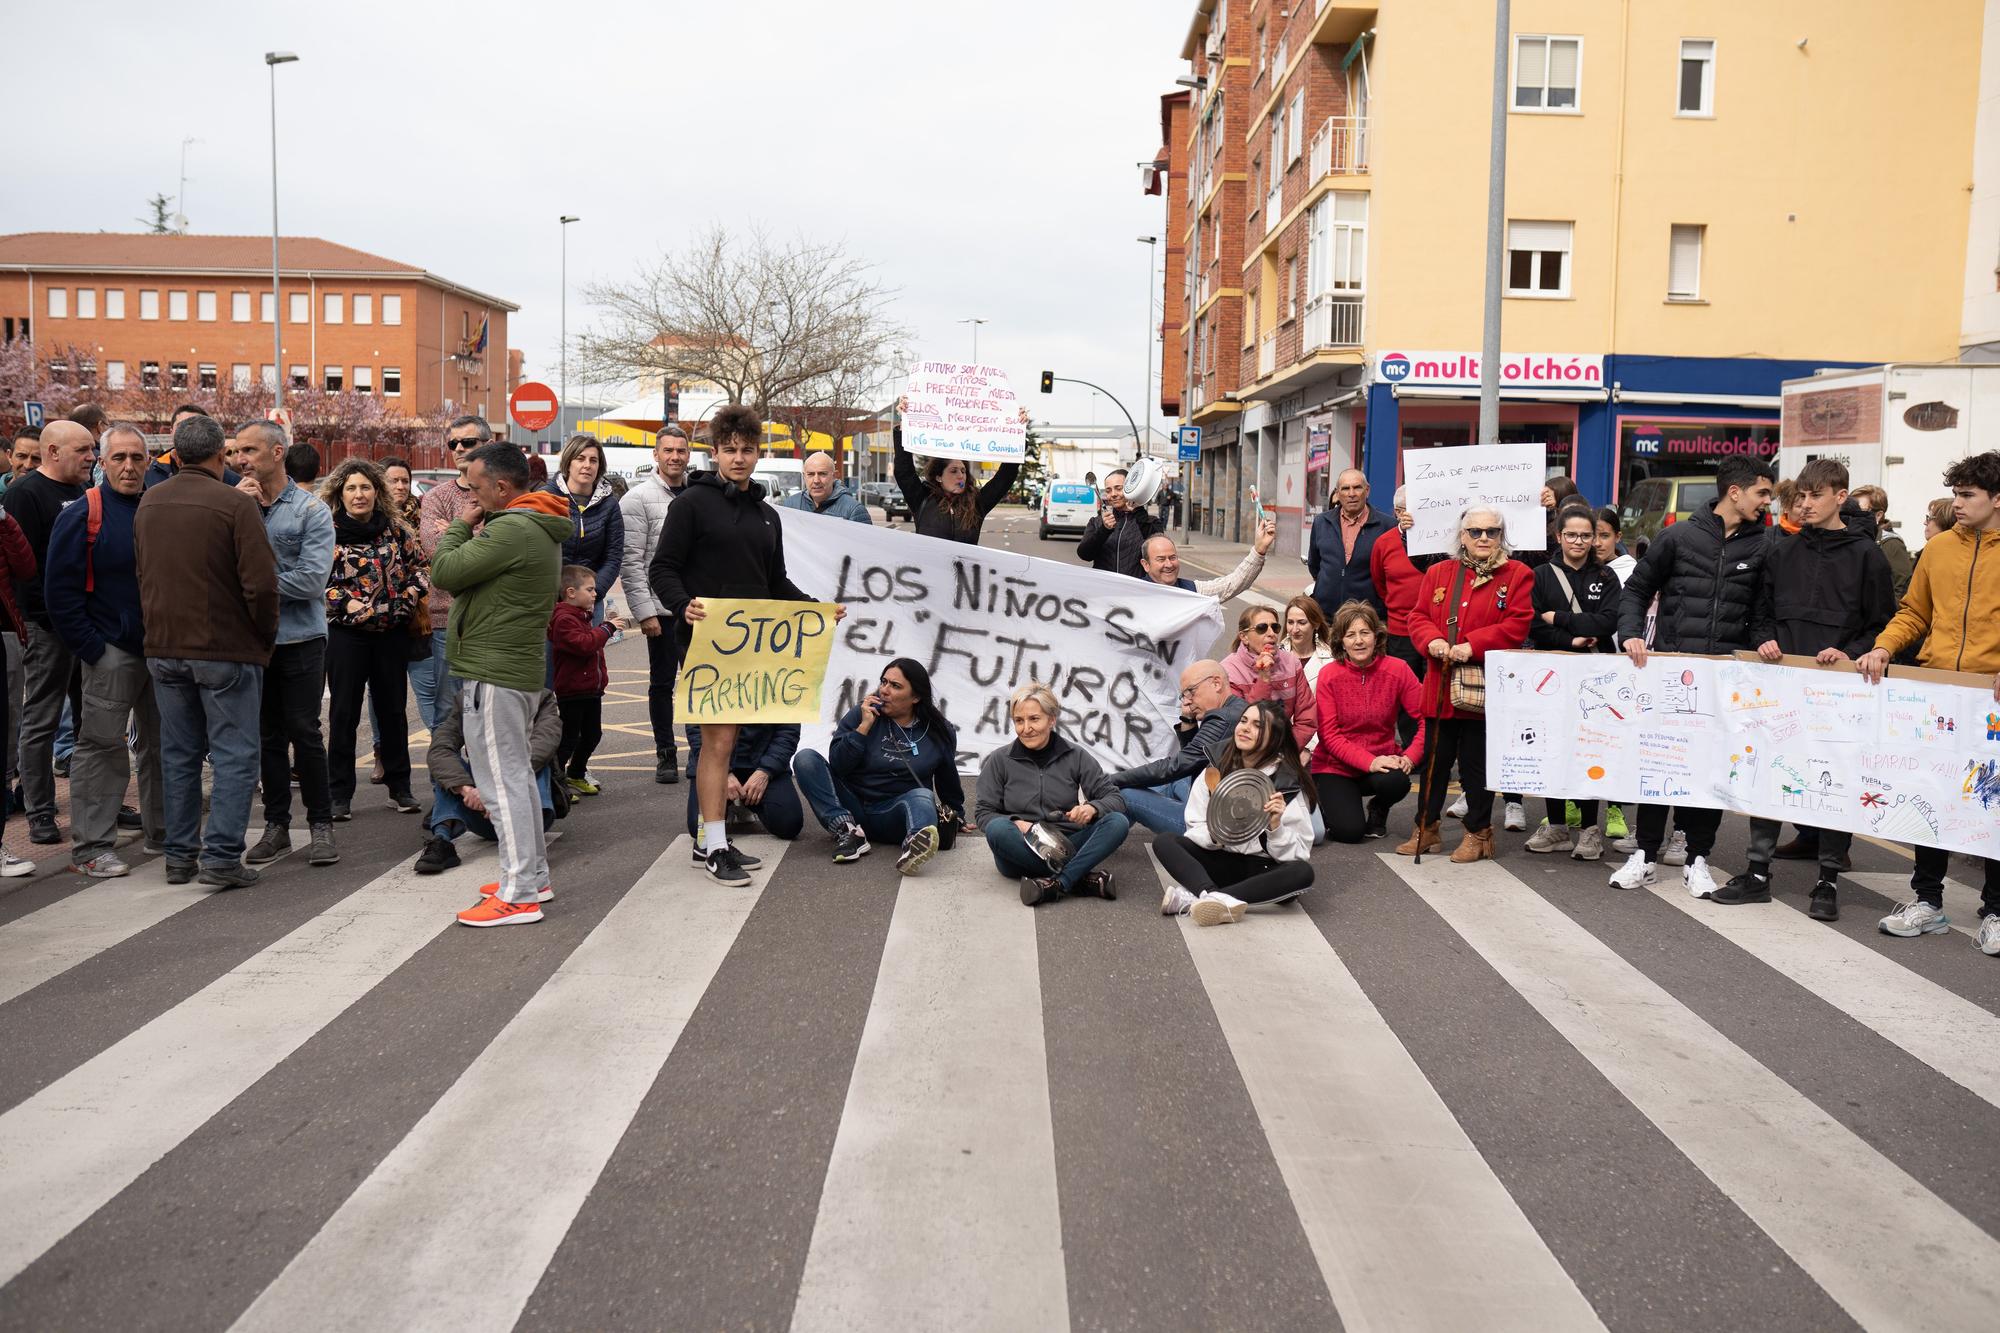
{"x":208,"y":589}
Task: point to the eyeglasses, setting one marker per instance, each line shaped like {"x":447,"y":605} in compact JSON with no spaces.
{"x":1575,"y":536}
{"x":1478,"y":533}
{"x":1188,"y":693}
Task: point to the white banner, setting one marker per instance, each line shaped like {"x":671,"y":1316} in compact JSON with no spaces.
{"x":984,"y":621}
{"x":954,"y":410}
{"x":1911,"y":760}
{"x":1442,"y":482}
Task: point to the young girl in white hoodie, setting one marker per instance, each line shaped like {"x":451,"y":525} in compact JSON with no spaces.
{"x":1271,"y":866}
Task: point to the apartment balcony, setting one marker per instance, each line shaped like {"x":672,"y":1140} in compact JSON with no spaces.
{"x":1332,"y":321}
{"x":1340,"y":148}
{"x":1274,"y":205}
{"x":1339,"y":22}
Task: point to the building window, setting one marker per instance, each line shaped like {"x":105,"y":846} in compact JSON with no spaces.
{"x":204,"y":306}
{"x":1538,"y":258}
{"x":1697,"y":77}
{"x":392,"y":312}
{"x":301,"y":376}
{"x":1547,"y":72}
{"x":1249,"y":321}
{"x":177,"y":305}
{"x":239,"y":376}
{"x":149,"y":304}
{"x":392,"y":376}
{"x":205,"y":375}
{"x":1298,"y":124}
{"x":301,"y":308}
{"x":336,"y":379}
{"x":335,"y":307}
{"x":364,"y":308}
{"x":364,"y":379}
{"x":1261,"y":61}
{"x":267,"y":306}
{"x":86,"y":303}
{"x":267,"y":376}
{"x":114,"y":303}
{"x":177,"y":374}
{"x":1277,"y":149}
{"x":86,"y":373}
{"x":1291,"y":289}
{"x":114,"y":374}
{"x":58,"y":303}
{"x":149,"y":374}
{"x":239,"y":307}
{"x":1684,"y":262}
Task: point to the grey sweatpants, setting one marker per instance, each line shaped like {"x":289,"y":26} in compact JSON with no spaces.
{"x":497,"y":724}
{"x":117,"y":691}
{"x":47,"y":666}
{"x":17,"y":682}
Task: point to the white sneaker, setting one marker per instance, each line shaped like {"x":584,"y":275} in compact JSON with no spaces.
{"x":14,"y":867}
{"x":1517,"y":817}
{"x":1628,"y":843}
{"x":1549,"y":838}
{"x":1175,"y":900}
{"x":1457,"y":808}
{"x":1988,"y":939}
{"x":1699,"y":882}
{"x":1675,"y":853}
{"x":1636,"y":873}
{"x":1919,"y":918}
{"x":1589,"y":844}
{"x":1215,"y":909}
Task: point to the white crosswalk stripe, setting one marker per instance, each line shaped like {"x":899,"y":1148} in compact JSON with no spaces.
{"x":1961,"y":900}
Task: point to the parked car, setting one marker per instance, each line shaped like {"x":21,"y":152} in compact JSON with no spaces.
{"x":1067,"y":506}
{"x":886,"y":496}
{"x":1658,"y":501}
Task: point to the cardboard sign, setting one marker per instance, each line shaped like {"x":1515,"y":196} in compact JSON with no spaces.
{"x":755,"y":661}
{"x":954,"y":410}
{"x":1441,"y":483}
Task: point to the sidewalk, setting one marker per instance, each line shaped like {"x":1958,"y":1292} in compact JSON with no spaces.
{"x":1284,"y":575}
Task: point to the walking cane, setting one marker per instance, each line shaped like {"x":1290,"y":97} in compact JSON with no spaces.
{"x":1430,"y":760}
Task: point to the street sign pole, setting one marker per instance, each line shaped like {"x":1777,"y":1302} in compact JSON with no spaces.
{"x":1189,"y":440}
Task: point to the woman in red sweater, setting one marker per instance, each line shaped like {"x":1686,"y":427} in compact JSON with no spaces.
{"x":1260,"y":669}
{"x":1396,"y":577}
{"x":1465,"y":608}
{"x":1361,"y":695}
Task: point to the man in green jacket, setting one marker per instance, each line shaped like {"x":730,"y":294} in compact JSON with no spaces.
{"x":503,"y":583}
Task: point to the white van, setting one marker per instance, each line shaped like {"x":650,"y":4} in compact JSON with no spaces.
{"x":779,"y":477}
{"x":1067,"y":506}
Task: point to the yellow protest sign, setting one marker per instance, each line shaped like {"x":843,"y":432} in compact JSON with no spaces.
{"x":755,"y":661}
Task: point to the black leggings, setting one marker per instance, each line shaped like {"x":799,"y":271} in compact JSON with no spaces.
{"x":1254,"y":879}
{"x":583,"y":727}
{"x":1462,"y":739}
{"x":1559,"y":816}
{"x":375,"y":662}
{"x":1340,"y":798}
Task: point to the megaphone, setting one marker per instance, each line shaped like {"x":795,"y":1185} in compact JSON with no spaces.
{"x":1143,"y":481}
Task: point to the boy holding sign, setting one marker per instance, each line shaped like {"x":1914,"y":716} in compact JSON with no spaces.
{"x":721,"y":540}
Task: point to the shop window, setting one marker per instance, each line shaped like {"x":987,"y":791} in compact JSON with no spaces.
{"x":1547,"y":73}
{"x":1684,"y":262}
{"x":1538,"y":258}
{"x":1697,"y":82}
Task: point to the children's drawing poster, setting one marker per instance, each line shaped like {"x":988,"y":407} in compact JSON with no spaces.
{"x":1913,"y":759}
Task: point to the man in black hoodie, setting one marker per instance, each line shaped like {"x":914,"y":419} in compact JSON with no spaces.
{"x":1825,"y":592}
{"x":1705,"y":573}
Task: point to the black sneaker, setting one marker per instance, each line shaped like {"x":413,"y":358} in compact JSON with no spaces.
{"x":403,"y":803}
{"x":129,"y":818}
{"x":343,"y":811}
{"x":850,"y":844}
{"x":1825,"y":904}
{"x":1097,"y":884}
{"x":228,"y":877}
{"x":277,"y":840}
{"x":667,"y":769}
{"x":918,"y":848}
{"x":42,"y":829}
{"x":1748,"y":887}
{"x":1378,"y":821}
{"x":180,"y":872}
{"x":743,"y":858}
{"x":60,"y":766}
{"x":438,"y":856}
{"x":726,"y":867}
{"x":1035,"y":892}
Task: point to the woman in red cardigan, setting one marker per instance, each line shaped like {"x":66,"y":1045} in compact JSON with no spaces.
{"x":1361,"y":696}
{"x":1466,"y":608}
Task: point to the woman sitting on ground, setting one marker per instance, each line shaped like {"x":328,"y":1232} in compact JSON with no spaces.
{"x":1576,"y":611}
{"x":1042,"y":778}
{"x":1261,"y":669}
{"x":1271,"y":867}
{"x":1360,"y":700}
{"x":877,"y":777}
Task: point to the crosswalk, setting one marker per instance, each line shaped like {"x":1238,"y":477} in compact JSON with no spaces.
{"x":1498,"y":1096}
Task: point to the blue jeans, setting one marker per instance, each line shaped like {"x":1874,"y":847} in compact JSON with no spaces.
{"x":432,"y":682}
{"x":66,"y":733}
{"x":447,"y":809}
{"x":1012,"y":855}
{"x":833,"y":804}
{"x":211,"y":708}
{"x":1161,"y":809}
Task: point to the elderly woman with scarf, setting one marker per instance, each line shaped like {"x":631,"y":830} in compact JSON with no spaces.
{"x":1261,"y":669}
{"x":1466,"y":607}
{"x":378,"y":579}
{"x":599,"y":541}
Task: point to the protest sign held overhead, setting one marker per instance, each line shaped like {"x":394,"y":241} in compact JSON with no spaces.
{"x":984,"y":621}
{"x":1440,"y":483}
{"x":955,"y":410}
{"x":756,"y":661}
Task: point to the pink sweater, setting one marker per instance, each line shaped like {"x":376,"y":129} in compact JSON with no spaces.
{"x":1358,"y":708}
{"x":1286,"y":685}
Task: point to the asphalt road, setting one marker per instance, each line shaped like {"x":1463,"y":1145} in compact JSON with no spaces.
{"x":1427,"y":1097}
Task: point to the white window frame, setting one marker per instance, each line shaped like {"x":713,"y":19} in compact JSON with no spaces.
{"x":1706,"y":111}
{"x":364,"y":379}
{"x":1334,"y":244}
{"x":205,"y":304}
{"x":1250,"y":330}
{"x":1291,"y":289}
{"x":268,"y":375}
{"x":1699,"y":232}
{"x":267,"y":307}
{"x":392,"y":309}
{"x":333,"y":379}
{"x":177,"y":306}
{"x":334,"y":308}
{"x":86,"y":303}
{"x":1547,"y":39}
{"x":1296,"y":120}
{"x":114,"y":374}
{"x":299,"y":309}
{"x":207,"y":375}
{"x":239,"y":310}
{"x":1534,"y":291}
{"x":114,"y":303}
{"x":388,"y":392}
{"x":364,"y":308}
{"x":58,"y":302}
{"x":239,"y":376}
{"x":149,"y":303}
{"x":298,"y":377}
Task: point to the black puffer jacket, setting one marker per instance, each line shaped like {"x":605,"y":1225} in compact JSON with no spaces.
{"x":1119,"y":550}
{"x":1824,"y":589}
{"x":1596,"y":589}
{"x":1707,"y":585}
{"x":719,"y":541}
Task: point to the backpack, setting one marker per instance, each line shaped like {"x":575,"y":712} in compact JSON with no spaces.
{"x":93,"y":500}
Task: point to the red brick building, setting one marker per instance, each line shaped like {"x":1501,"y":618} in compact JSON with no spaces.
{"x":194,"y":312}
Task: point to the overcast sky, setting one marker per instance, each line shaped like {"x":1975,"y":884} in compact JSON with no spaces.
{"x":981,"y":155}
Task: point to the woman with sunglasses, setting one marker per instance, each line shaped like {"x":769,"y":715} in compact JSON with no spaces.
{"x":1466,"y":607}
{"x":1272,"y":866}
{"x":1576,"y":611}
{"x":1261,"y":668}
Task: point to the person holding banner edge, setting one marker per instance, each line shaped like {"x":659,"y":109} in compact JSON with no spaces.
{"x":721,"y":540}
{"x":942,"y":502}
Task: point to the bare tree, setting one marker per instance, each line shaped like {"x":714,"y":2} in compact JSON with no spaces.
{"x":799,"y":330}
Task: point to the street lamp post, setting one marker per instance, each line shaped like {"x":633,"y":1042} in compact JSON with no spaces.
{"x":562,"y":390}
{"x":975,"y":323}
{"x":273,"y":59}
{"x":1152,"y":244}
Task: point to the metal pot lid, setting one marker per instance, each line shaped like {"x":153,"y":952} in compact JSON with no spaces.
{"x":1236,"y":806}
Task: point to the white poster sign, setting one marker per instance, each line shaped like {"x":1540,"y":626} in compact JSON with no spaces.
{"x":1442,"y":482}
{"x":954,"y":410}
{"x":1910,"y":760}
{"x":983,"y":621}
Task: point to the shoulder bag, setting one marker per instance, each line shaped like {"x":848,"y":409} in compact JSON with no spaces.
{"x":1468,"y":679}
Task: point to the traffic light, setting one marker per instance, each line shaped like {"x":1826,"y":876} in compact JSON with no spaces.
{"x":1048,"y":381}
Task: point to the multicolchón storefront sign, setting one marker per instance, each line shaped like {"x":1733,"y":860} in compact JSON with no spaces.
{"x":1518,"y":370}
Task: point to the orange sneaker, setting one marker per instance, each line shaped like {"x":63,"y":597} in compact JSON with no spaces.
{"x":546,"y":894}
{"x":499,"y":912}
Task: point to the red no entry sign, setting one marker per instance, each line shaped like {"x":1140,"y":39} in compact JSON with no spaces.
{"x":532,"y":406}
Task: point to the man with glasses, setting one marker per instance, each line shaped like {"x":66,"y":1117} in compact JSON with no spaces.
{"x":1156,"y":793}
{"x":442,"y":506}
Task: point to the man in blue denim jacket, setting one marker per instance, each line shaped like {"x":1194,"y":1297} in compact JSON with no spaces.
{"x":300,"y":527}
